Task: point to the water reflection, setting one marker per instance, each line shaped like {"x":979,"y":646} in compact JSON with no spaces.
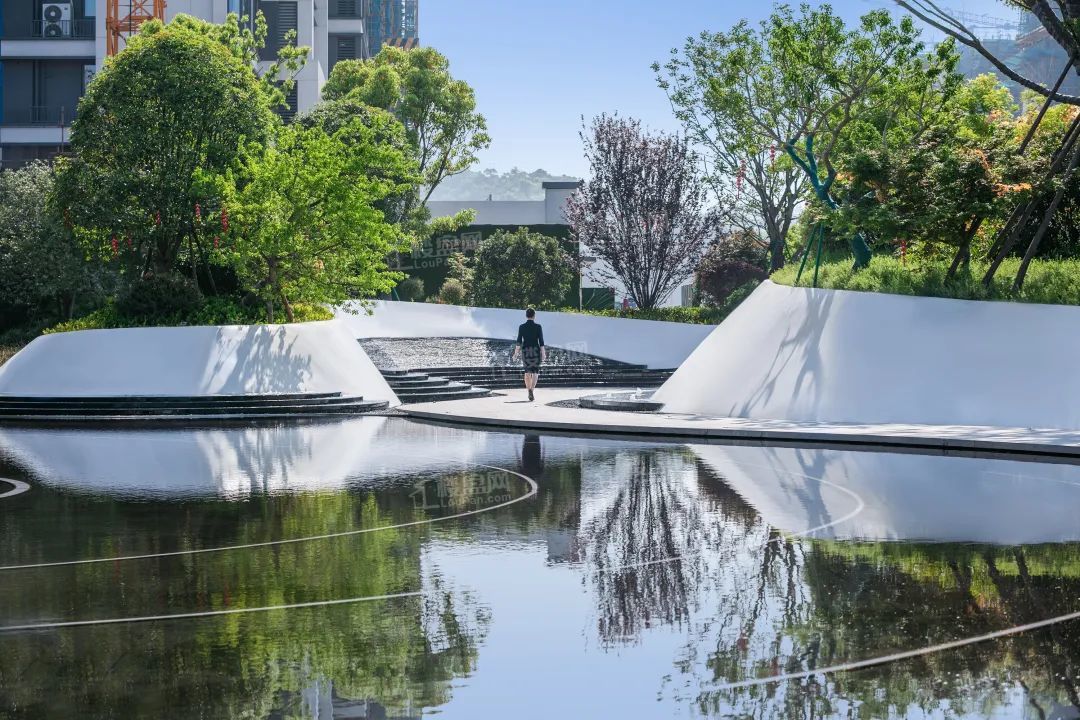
{"x":642,"y":579}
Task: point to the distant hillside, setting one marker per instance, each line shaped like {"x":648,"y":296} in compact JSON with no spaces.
{"x":479,"y":184}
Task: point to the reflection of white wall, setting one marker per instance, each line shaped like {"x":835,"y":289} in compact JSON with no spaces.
{"x":646,"y":342}
{"x":828,"y":355}
{"x":205,"y":360}
{"x":236,"y":462}
{"x":907,"y":496}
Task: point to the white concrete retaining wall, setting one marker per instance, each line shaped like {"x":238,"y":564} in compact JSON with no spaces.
{"x":205,"y":360}
{"x":838,"y":356}
{"x":645,"y":342}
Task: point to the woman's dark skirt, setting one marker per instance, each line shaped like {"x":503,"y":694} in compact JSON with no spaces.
{"x":530,"y":359}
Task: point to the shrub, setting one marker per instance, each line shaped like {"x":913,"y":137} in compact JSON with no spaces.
{"x":452,"y":292}
{"x":159,"y":296}
{"x":215,"y":311}
{"x":521,"y":269}
{"x":1055,"y":282}
{"x":411,"y":289}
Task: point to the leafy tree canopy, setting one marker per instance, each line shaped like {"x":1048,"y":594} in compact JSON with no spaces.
{"x":438,"y":111}
{"x":307,"y":226}
{"x":521,"y":269}
{"x":160,"y":121}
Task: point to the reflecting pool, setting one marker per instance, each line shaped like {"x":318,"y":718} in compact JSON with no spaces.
{"x":385,"y":568}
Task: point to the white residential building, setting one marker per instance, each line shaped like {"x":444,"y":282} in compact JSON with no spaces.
{"x":50,"y":49}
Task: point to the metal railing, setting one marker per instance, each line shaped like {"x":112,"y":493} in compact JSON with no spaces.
{"x":54,"y":115}
{"x":60,"y":30}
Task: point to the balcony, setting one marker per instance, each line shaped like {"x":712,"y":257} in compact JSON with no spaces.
{"x":37,"y":115}
{"x":62,"y":30}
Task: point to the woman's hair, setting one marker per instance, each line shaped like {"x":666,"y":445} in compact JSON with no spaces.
{"x":530,"y":313}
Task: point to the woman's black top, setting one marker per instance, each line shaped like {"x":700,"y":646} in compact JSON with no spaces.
{"x":531,"y":339}
{"x":530,"y":335}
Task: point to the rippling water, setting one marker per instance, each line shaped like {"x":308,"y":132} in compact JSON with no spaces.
{"x":383,"y":568}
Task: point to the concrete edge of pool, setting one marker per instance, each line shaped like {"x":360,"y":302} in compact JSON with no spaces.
{"x":513,"y":410}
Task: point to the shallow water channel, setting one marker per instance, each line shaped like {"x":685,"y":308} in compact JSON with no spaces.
{"x":385,"y":568}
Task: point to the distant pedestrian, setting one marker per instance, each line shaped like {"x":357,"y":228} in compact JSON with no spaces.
{"x":530,"y":346}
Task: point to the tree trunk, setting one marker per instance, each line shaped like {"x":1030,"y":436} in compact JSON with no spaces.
{"x":776,"y":254}
{"x":272,"y":283}
{"x":289,"y":317}
{"x":1006,"y":246}
{"x":963,"y":253}
{"x":1033,"y":246}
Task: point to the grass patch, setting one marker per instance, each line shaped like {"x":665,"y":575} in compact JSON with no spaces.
{"x":691,"y":315}
{"x":215,"y":311}
{"x":1055,"y":282}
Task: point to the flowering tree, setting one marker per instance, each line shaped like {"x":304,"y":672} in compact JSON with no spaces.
{"x":643,"y":213}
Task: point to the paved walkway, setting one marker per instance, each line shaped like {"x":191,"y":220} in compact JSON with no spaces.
{"x":514,"y":410}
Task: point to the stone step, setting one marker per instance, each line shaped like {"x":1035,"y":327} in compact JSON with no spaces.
{"x":430,"y":382}
{"x":448,"y":387}
{"x":354,"y":407}
{"x":462,"y":393}
{"x":511,"y":366}
{"x":170,"y":399}
{"x":150,"y":403}
{"x":511,"y":384}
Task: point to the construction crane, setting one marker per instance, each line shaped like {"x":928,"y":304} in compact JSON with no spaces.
{"x":987,"y":24}
{"x":119,"y":26}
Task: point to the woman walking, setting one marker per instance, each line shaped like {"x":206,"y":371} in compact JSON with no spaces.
{"x":530,"y":345}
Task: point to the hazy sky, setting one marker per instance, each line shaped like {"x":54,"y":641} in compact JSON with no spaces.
{"x":538,"y":66}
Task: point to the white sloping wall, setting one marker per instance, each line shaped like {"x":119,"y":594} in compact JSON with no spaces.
{"x":646,"y":342}
{"x":204,"y":360}
{"x":838,"y":356}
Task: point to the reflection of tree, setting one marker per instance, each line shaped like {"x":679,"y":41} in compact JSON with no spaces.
{"x":654,"y":517}
{"x":866,"y":600}
{"x":402,"y":653}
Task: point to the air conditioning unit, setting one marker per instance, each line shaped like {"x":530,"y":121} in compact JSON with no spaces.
{"x":56,"y":19}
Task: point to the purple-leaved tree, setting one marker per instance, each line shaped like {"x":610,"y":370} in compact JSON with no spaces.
{"x":643,"y":212}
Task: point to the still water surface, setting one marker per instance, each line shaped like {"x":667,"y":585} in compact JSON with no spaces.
{"x":383,"y":568}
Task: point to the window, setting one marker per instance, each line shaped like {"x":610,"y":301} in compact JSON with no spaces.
{"x":281,"y":17}
{"x":345,"y":8}
{"x":346,"y":47}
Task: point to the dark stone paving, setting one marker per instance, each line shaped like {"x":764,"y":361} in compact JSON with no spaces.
{"x":404,"y":353}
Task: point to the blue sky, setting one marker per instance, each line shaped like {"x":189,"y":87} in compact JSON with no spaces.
{"x":537,"y":67}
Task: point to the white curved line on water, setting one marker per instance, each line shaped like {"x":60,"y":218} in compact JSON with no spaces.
{"x":206,"y":613}
{"x":288,"y":541}
{"x":19,"y":488}
{"x":904,"y":655}
{"x":860,"y":505}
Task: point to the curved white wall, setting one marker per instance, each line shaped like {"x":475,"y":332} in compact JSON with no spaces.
{"x":645,"y":342}
{"x":838,"y":356}
{"x":204,"y":360}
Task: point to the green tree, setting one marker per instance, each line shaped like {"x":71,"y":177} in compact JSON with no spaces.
{"x":818,"y":89}
{"x":758,"y":189}
{"x":43,"y":274}
{"x":158,"y":124}
{"x":938,"y":189}
{"x":734,"y":261}
{"x":307,"y":226}
{"x":521,"y":269}
{"x":438,"y":111}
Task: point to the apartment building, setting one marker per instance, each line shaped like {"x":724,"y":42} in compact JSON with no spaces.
{"x":50,"y":49}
